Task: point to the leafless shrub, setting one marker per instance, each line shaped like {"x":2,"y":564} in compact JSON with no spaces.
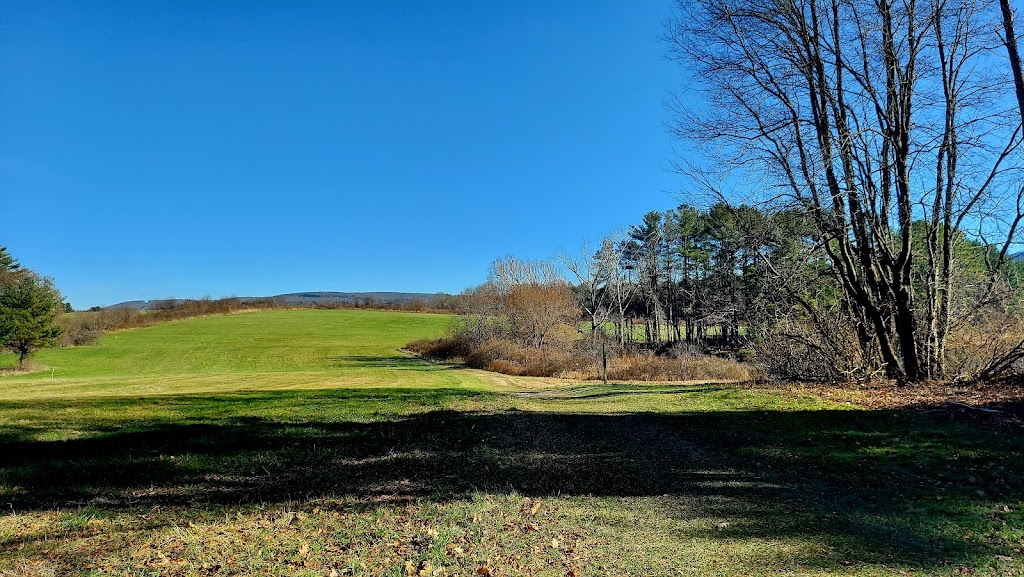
{"x":991,"y":345}
{"x":803,"y":350}
{"x":444,"y":349}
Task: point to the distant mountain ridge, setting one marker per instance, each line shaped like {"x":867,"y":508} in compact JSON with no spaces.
{"x":300,"y":299}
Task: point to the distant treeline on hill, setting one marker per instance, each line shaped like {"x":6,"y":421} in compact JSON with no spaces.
{"x":311,"y":299}
{"x":85,"y":327}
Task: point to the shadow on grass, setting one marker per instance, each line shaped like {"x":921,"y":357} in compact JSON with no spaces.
{"x":898,"y":487}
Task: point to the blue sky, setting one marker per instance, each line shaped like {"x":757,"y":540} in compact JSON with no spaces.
{"x":187,"y":149}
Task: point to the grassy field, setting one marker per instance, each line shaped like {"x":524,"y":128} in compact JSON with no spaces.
{"x":305,"y":443}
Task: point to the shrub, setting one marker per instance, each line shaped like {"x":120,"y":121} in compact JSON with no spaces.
{"x":446,"y":349}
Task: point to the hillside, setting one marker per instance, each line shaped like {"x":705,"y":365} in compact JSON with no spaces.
{"x":315,"y":298}
{"x":271,"y":349}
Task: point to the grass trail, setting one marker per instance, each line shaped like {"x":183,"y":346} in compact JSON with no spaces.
{"x":304,"y":442}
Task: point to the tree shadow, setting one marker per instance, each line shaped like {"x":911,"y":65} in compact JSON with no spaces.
{"x":890,"y":483}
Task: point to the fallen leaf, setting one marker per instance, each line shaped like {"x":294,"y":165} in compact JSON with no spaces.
{"x":484,"y":570}
{"x":723,"y":525}
{"x":334,"y":573}
{"x":535,"y":508}
{"x":410,"y":569}
{"x":304,"y":550}
{"x":532,"y":527}
{"x":554,"y":542}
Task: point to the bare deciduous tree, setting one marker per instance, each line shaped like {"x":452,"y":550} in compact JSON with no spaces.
{"x":878,"y":120}
{"x":592,"y":271}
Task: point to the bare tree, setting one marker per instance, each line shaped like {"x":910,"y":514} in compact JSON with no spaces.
{"x":1010,"y":41}
{"x":876,"y":119}
{"x":532,"y":298}
{"x":621,"y":286}
{"x":592,"y":273}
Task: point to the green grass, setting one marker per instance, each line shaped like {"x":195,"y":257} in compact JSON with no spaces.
{"x":297,"y":442}
{"x":262,"y":351}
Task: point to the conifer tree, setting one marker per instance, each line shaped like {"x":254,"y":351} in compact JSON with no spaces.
{"x":29,"y":305}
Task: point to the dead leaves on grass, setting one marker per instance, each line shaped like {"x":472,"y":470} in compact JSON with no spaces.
{"x":996,"y":402}
{"x":516,"y":538}
{"x":535,"y":508}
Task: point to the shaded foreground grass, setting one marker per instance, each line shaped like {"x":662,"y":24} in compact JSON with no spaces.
{"x":541,"y":478}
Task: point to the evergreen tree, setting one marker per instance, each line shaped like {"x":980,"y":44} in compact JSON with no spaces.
{"x":8,"y":262}
{"x":29,"y":306}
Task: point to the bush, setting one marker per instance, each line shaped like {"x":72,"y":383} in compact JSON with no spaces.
{"x":799,"y":350}
{"x":446,"y":349}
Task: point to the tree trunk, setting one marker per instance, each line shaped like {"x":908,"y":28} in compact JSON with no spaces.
{"x":1013,"y":54}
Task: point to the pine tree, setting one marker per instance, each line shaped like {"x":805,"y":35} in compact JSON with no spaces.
{"x":29,"y":305}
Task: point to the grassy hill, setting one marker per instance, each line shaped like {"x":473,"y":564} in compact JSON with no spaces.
{"x":305,"y":443}
{"x":308,"y":299}
{"x":263,"y":350}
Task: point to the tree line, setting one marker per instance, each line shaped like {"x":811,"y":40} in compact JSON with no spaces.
{"x":756,"y":282}
{"x":684,"y":275}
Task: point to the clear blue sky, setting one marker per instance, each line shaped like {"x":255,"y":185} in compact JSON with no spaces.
{"x":187,"y":149}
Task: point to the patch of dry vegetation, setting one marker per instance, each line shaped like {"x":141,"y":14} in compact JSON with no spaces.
{"x":578,"y":362}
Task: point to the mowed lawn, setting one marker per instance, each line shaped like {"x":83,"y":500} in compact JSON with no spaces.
{"x":305,"y":443}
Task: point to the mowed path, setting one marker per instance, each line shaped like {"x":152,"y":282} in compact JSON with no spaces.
{"x":306,"y":443}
